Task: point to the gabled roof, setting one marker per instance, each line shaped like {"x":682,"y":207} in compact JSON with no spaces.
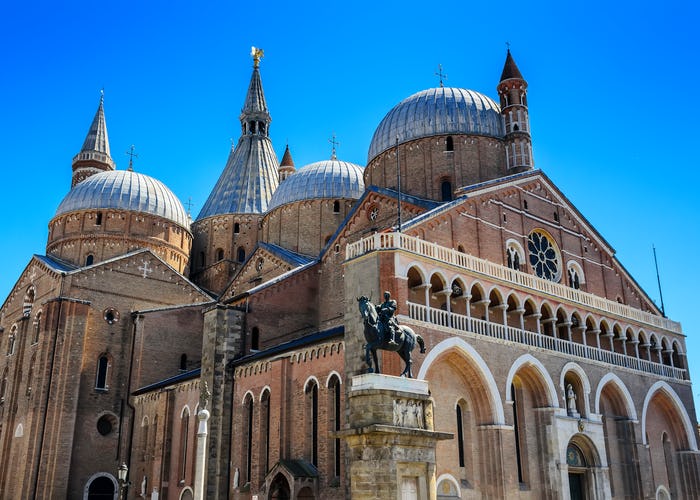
{"x":175,"y":379}
{"x":293,"y":258}
{"x":56,"y":264}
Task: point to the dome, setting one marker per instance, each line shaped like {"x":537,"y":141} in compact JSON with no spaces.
{"x":323,"y":179}
{"x":438,"y":111}
{"x":125,"y":190}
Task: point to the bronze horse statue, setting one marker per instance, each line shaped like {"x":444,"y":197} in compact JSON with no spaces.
{"x":405,"y":339}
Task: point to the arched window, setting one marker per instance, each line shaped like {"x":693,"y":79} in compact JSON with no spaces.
{"x":460,"y":436}
{"x":184,"y":442}
{"x":37,"y":328}
{"x":336,"y":207}
{"x":255,"y":339}
{"x":28,"y":301}
{"x":265,"y":429}
{"x":449,"y":144}
{"x":248,"y":439}
{"x":514,"y":254}
{"x":102,"y":369}
{"x":144,"y":435}
{"x":98,"y":219}
{"x":446,"y":190}
{"x":334,"y":404}
{"x":241,"y":254}
{"x":219,"y":254}
{"x":545,"y":258}
{"x":312,"y":401}
{"x":89,"y":260}
{"x":575,"y":275}
{"x":236,"y":228}
{"x":183,"y":362}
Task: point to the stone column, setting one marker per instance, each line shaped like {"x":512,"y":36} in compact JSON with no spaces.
{"x":391,"y":438}
{"x":201,"y":458}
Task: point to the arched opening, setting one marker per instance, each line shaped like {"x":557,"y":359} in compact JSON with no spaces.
{"x":219,"y":254}
{"x":101,"y":488}
{"x":576,"y":462}
{"x":279,"y":489}
{"x":241,"y":254}
{"x":335,"y":409}
{"x":236,"y":228}
{"x":184,"y":443}
{"x":89,"y":260}
{"x":183,"y":362}
{"x":416,"y":292}
{"x":248,"y":439}
{"x":102,"y":370}
{"x":312,"y":422}
{"x":336,"y":207}
{"x":265,"y":431}
{"x":449,"y":144}
{"x":446,"y":190}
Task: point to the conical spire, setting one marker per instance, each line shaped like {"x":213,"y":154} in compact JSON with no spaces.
{"x":287,"y":166}
{"x":251,"y":173}
{"x":287,"y":158}
{"x":510,"y":69}
{"x":97,"y":139}
{"x":94,"y":156}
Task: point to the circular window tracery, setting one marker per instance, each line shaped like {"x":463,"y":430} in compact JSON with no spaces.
{"x":544,"y":256}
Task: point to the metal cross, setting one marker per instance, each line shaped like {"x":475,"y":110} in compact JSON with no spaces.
{"x":441,"y":75}
{"x":335,"y":143}
{"x":189,"y":205}
{"x":131,"y":155}
{"x":508,"y":46}
{"x":146,"y":270}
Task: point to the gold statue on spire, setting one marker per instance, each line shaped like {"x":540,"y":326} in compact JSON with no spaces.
{"x":256,"y":54}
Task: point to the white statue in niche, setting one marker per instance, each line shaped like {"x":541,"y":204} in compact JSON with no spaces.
{"x":571,"y":401}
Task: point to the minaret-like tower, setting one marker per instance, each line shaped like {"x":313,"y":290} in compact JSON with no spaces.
{"x":226,"y":229}
{"x":287,"y":165}
{"x":512,"y":89}
{"x":94,"y":155}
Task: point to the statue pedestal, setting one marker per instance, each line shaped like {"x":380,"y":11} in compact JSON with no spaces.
{"x":391,"y":438}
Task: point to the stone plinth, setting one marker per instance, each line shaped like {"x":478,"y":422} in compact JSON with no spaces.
{"x":391,"y":438}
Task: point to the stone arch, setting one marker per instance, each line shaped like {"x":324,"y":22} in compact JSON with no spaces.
{"x":438,"y":283}
{"x":96,"y":476}
{"x":332,"y":374}
{"x":624,"y":398}
{"x":480,"y":367}
{"x":454,"y":489}
{"x":186,"y":493}
{"x":310,"y":381}
{"x":248,"y":394}
{"x":515,"y":255}
{"x":416,"y":281}
{"x":528,"y":360}
{"x":582,"y":389}
{"x":263,"y":391}
{"x":185,"y":412}
{"x":677,"y":405}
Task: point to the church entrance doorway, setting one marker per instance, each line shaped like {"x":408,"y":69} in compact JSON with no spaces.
{"x":576,"y":462}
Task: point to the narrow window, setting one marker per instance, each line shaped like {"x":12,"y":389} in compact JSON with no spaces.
{"x":446,"y":189}
{"x":312,"y":392}
{"x":516,"y":427}
{"x":574,"y":280}
{"x":236,"y":228}
{"x":102,"y":365}
{"x":98,"y":219}
{"x":525,"y":204}
{"x":3,"y":386}
{"x":255,"y":339}
{"x":460,"y":436}
{"x":89,"y":260}
{"x":334,"y":387}
{"x":336,"y":207}
{"x":449,"y":144}
{"x":249,"y":440}
{"x":241,"y":254}
{"x":184,"y":442}
{"x":37,"y":329}
{"x":183,"y":362}
{"x":202,"y":259}
{"x":11,"y":342}
{"x":515,"y":127}
{"x":219,"y":254}
{"x":505,"y":219}
{"x":556,"y":217}
{"x":30,"y":375}
{"x":265,"y":431}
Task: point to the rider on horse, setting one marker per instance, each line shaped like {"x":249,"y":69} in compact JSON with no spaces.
{"x":387,"y":324}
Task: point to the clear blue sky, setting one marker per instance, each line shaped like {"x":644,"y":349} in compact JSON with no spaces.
{"x":612,"y":94}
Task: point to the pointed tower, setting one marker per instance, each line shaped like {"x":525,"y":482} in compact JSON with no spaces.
{"x":226,"y":229}
{"x":512,"y":89}
{"x":287,"y":165}
{"x":94,"y":156}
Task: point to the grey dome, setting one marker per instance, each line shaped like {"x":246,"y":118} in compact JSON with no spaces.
{"x":439,"y":111}
{"x":125,"y":190}
{"x":323,"y":179}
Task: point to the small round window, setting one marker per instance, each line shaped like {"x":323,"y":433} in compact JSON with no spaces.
{"x":111,"y":315}
{"x":544,"y":255}
{"x":106,"y":424}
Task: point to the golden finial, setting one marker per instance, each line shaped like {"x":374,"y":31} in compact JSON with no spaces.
{"x":256,"y":54}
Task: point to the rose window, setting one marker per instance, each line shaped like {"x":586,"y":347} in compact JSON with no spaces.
{"x":544,"y":256}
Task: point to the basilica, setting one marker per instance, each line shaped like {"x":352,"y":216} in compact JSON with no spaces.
{"x":546,"y":373}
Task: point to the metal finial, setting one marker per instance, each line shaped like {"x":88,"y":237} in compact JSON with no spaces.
{"x":256,"y":54}
{"x":508,"y":46}
{"x":102,"y":95}
{"x":335,"y":143}
{"x":442,"y":75}
{"x":189,"y":206}
{"x":131,"y":158}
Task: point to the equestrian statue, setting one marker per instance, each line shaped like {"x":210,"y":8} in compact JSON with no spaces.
{"x":382,"y":331}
